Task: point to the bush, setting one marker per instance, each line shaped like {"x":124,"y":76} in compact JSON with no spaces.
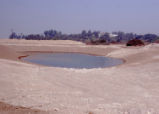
{"x":135,"y":42}
{"x":97,"y":42}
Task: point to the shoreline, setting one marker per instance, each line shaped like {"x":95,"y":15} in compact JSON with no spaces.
{"x":39,"y":52}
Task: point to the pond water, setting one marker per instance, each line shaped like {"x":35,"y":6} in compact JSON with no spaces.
{"x":72,"y":60}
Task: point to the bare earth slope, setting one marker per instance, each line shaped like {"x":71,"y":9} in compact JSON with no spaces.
{"x":131,"y":88}
{"x":8,"y":53}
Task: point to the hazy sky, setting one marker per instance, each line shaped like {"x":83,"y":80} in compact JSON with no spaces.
{"x":72,"y":16}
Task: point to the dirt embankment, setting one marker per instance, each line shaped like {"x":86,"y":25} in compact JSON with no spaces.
{"x":8,"y":53}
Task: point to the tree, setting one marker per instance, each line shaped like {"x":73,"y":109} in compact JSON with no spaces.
{"x":13,"y":35}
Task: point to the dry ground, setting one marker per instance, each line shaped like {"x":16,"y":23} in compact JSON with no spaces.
{"x":130,"y":88}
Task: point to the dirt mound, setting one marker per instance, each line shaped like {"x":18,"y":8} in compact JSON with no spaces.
{"x":135,"y":42}
{"x":8,"y":53}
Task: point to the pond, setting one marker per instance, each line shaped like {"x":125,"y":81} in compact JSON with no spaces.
{"x":72,"y":60}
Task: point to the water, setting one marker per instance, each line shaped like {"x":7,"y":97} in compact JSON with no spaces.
{"x":72,"y":60}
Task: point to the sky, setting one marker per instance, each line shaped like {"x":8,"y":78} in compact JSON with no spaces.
{"x":73,"y":16}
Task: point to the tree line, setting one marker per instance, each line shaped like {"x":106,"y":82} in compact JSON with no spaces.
{"x":87,"y":36}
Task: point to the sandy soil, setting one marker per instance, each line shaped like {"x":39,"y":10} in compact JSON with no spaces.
{"x":9,"y":109}
{"x":130,"y":88}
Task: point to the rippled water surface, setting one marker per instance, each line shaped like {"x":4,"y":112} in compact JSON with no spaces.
{"x":72,"y":60}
